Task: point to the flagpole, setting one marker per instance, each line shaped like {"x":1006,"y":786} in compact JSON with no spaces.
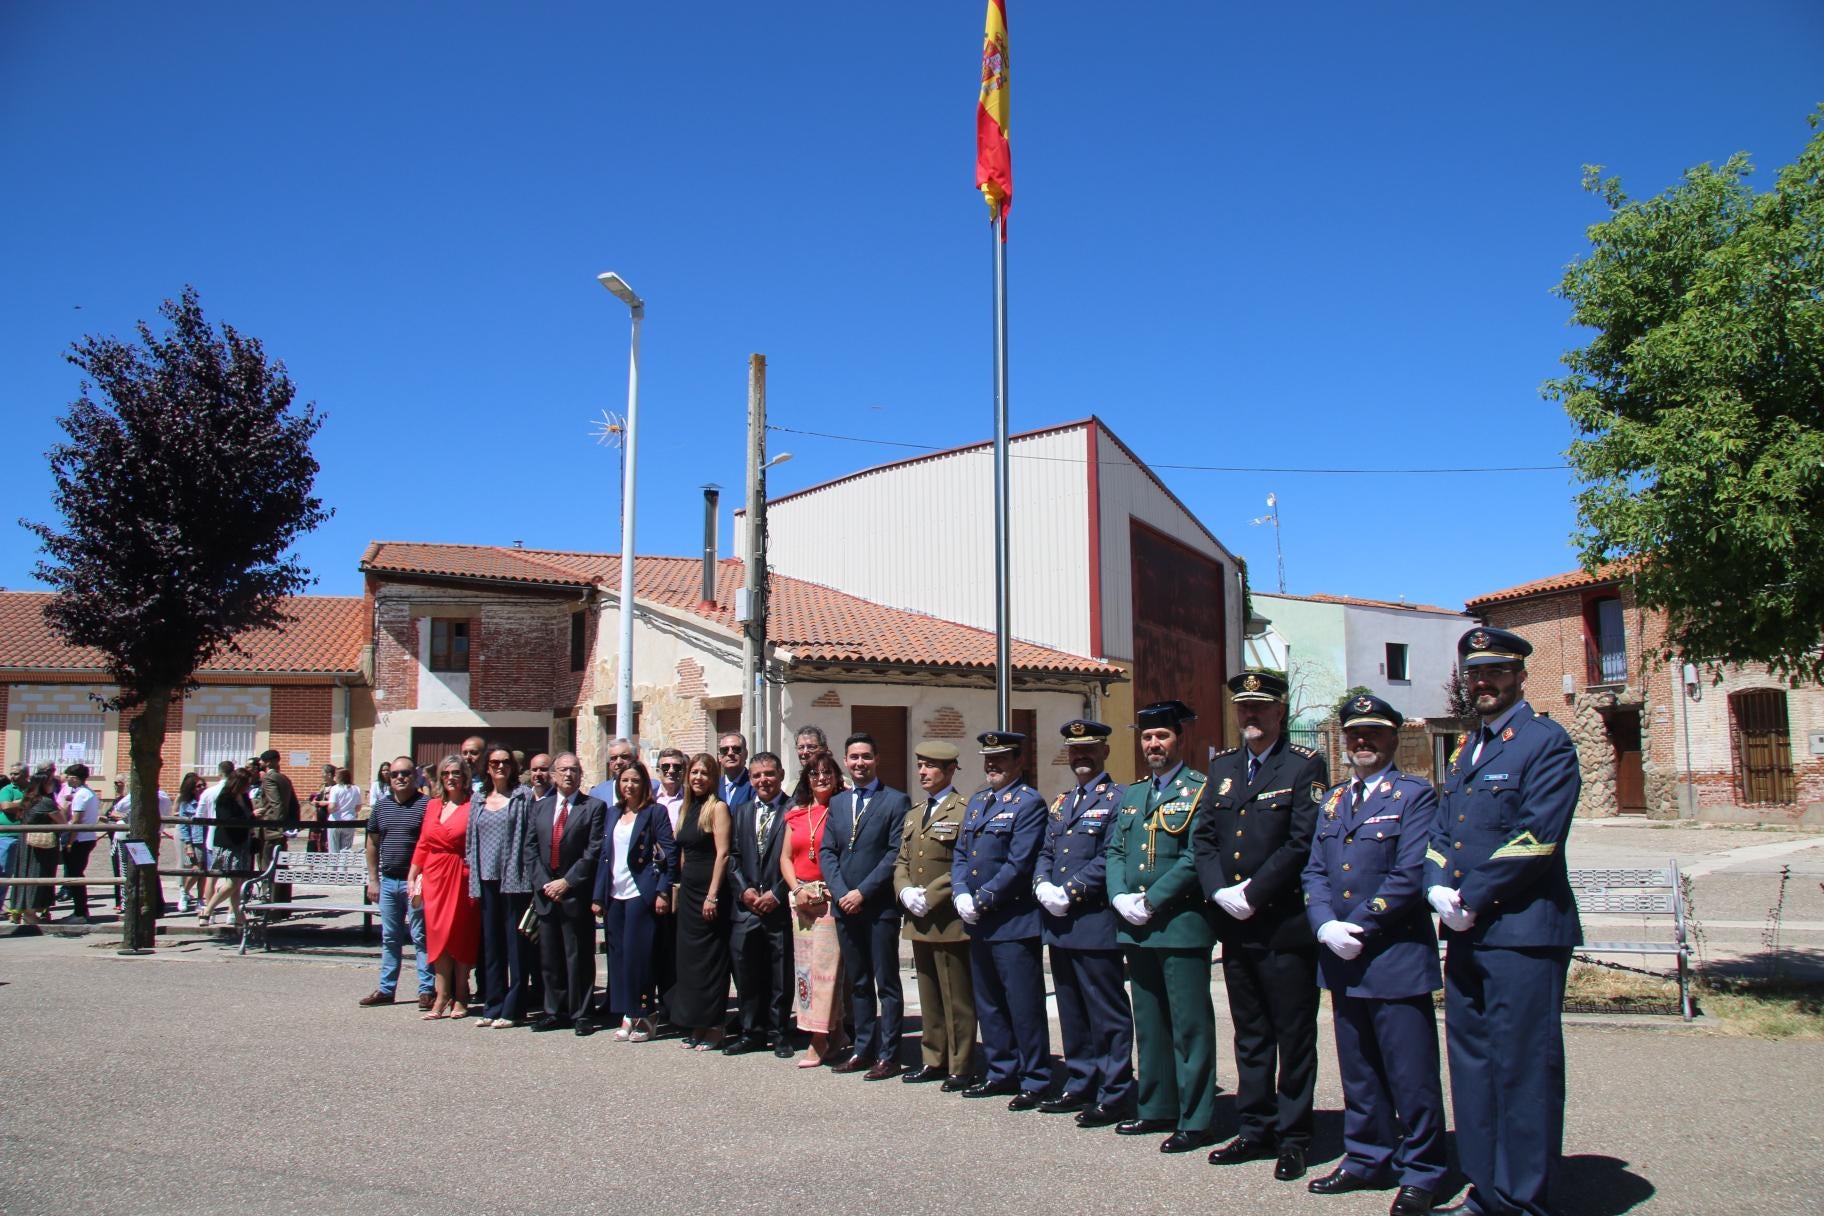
{"x":1003,"y":632}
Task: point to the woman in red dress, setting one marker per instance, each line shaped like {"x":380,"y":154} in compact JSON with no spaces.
{"x":817,"y":956}
{"x":439,"y":880}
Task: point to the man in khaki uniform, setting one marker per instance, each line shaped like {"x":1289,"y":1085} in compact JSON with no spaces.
{"x":940,"y":945}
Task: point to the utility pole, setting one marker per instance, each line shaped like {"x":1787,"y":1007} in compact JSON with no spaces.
{"x":753,"y":634}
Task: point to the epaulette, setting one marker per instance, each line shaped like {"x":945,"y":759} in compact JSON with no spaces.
{"x":1306,"y":752}
{"x":1227,"y":751}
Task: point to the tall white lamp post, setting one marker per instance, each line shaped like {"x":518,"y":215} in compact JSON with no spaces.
{"x":623,"y":699}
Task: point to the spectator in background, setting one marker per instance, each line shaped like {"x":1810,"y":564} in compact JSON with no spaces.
{"x":393,"y":825}
{"x":85,"y":808}
{"x":632,"y":889}
{"x":205,"y":805}
{"x":36,"y":855}
{"x":538,"y":775}
{"x":192,"y":851}
{"x":318,"y":840}
{"x":380,"y":788}
{"x":344,"y":805}
{"x":734,"y":787}
{"x":502,"y":885}
{"x":439,"y":883}
{"x":473,"y":750}
{"x":278,"y":803}
{"x":122,"y":812}
{"x":620,"y":755}
{"x":809,"y":741}
{"x":668,"y":793}
{"x":12,"y":813}
{"x":230,"y":845}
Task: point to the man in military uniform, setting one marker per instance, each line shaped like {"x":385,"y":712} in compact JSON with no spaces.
{"x":992,"y":883}
{"x":1072,"y":885}
{"x":1166,"y":936}
{"x":1251,"y":845}
{"x":1379,"y":958}
{"x":1495,"y":873}
{"x":940,"y":946}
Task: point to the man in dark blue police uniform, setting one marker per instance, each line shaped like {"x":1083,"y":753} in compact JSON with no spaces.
{"x":1365,"y":899}
{"x":991,"y":878}
{"x":1251,"y":845}
{"x":1495,"y":872}
{"x":1079,"y":927}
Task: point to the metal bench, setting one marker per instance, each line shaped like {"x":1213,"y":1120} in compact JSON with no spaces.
{"x":1644,"y":893}
{"x":345,"y":869}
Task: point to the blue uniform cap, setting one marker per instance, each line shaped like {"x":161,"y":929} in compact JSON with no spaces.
{"x":1083,"y":730}
{"x":1370,"y":710}
{"x":994,"y":742}
{"x":1485,"y":644}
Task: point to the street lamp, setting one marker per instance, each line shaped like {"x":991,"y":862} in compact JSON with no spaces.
{"x":623,"y":700}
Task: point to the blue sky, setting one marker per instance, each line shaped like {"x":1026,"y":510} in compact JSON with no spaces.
{"x":1314,"y":236}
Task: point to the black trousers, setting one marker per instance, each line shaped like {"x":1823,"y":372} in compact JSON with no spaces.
{"x":506,"y":955}
{"x":762,"y":953}
{"x":75,"y":865}
{"x":1273,"y":1001}
{"x":566,"y":951}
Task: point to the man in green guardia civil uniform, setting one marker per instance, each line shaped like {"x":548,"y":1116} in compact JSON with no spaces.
{"x":1166,"y":934}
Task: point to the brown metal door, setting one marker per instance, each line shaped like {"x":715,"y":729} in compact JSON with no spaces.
{"x":1630,"y":775}
{"x":1763,"y":745}
{"x":1179,"y":651}
{"x":887,"y":723}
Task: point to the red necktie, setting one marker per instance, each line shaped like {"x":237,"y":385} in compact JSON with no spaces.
{"x":557,"y":832}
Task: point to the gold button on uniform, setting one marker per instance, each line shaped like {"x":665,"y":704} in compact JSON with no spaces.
{"x":1348,"y":894}
{"x":1345,"y":865}
{"x":1238,"y":857}
{"x":1457,"y":845}
{"x":1456,"y":873}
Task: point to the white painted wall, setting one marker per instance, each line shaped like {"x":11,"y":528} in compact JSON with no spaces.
{"x":1431,"y":641}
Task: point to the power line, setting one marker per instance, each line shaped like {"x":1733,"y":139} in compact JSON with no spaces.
{"x":1189,"y":468}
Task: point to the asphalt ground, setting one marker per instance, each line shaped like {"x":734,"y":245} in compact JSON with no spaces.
{"x":199,"y":1081}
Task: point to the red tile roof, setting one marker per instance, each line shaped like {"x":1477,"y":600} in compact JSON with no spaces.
{"x":1545,"y":586}
{"x":1355,"y":602}
{"x":325,"y":635}
{"x":814,"y":622}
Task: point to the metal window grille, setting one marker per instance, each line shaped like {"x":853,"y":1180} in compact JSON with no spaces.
{"x":223,"y":737}
{"x":47,"y":735}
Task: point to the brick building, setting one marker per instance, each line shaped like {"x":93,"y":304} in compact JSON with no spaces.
{"x":298,"y":688}
{"x":1733,"y":743}
{"x":520,"y":645}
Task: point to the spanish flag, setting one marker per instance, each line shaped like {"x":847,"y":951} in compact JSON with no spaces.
{"x":993,"y":158}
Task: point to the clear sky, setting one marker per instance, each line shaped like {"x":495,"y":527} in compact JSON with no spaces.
{"x":1310,"y":236}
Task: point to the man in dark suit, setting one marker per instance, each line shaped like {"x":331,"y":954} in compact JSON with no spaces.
{"x":1251,"y":844}
{"x":1495,"y":873}
{"x":1364,"y":898}
{"x":762,"y":940}
{"x":859,"y":848}
{"x":561,"y":852}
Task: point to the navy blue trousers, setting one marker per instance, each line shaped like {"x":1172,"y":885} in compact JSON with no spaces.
{"x":507,"y":958}
{"x":1009,"y":982}
{"x":1502,"y":1015}
{"x":877,"y":1002}
{"x":631,"y":928}
{"x":1393,"y":1100}
{"x":1097,"y":1024}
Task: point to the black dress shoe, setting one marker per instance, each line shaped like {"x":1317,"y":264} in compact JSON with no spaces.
{"x":1242,"y":1149}
{"x":584,"y":1028}
{"x":1142,"y":1127}
{"x":1100,"y":1116}
{"x":882,"y":1070}
{"x":549,"y":1023}
{"x":991,"y":1089}
{"x":1063,"y":1104}
{"x":852,"y":1064}
{"x":919,"y":1076}
{"x":1411,"y":1201}
{"x":956,"y":1082}
{"x":784,"y":1050}
{"x":741,"y":1046}
{"x":1184,"y":1142}
{"x":1340,"y":1181}
{"x":1026,"y":1099}
{"x":1291,"y":1165}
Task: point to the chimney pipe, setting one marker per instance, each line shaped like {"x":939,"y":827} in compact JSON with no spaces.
{"x":712,"y":496}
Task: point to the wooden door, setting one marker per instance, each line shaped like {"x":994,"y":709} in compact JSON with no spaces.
{"x":1630,"y":775}
{"x":1180,"y":652}
{"x":887,"y":723}
{"x":1763,"y":745}
{"x":1026,"y":721}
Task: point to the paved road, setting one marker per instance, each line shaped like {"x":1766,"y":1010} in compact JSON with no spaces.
{"x":199,"y":1082}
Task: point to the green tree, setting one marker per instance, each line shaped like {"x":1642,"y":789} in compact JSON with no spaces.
{"x":1699,"y":406}
{"x":181,"y":492}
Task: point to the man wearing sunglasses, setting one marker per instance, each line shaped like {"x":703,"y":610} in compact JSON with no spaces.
{"x":393,"y":825}
{"x":620,"y":759}
{"x":733,"y":787}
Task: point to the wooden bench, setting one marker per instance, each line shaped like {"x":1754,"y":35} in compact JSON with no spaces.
{"x":1644,"y":893}
{"x":346,"y":869}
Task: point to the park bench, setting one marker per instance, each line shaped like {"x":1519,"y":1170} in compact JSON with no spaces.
{"x":346,"y":869}
{"x":1648,"y":893}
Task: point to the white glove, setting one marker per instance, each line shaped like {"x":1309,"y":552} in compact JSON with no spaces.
{"x":1234,"y":901}
{"x":908,"y":899}
{"x":965,"y":907}
{"x":1342,"y":938}
{"x":1132,"y":908}
{"x":1459,"y":921}
{"x":1053,"y":897}
{"x":1443,"y":900}
{"x":923,"y":907}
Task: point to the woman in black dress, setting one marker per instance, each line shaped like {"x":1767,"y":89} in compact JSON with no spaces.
{"x":699,"y":999}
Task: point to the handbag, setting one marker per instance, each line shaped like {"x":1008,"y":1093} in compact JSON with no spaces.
{"x":41,"y":840}
{"x":528,"y":923}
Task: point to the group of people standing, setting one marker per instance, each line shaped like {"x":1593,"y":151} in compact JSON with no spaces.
{"x":713,"y":873}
